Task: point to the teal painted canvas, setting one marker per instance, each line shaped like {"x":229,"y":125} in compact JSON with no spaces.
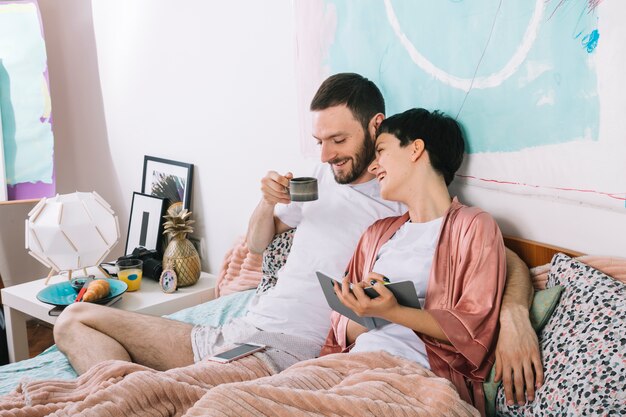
{"x":537,"y":85}
{"x":509,"y":70}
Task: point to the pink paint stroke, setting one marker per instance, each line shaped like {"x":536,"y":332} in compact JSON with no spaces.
{"x":616,"y":196}
{"x":591,"y":6}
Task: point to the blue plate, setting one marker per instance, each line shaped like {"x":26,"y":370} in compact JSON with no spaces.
{"x":63,"y":294}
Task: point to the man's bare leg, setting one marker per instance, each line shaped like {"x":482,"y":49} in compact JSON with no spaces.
{"x":89,"y":334}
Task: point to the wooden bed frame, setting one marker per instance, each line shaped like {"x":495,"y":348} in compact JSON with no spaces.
{"x":535,"y":253}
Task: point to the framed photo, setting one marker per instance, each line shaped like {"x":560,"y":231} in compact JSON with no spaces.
{"x":167,"y":179}
{"x":145,"y":227}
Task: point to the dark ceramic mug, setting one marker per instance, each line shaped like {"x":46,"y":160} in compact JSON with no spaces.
{"x":303,"y":189}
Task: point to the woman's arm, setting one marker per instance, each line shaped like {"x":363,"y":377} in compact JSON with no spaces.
{"x":385,"y":306}
{"x":354,"y":330}
{"x":466,"y":288}
{"x":419,"y":320}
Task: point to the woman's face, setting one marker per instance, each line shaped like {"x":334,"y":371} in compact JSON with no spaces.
{"x":392,"y":167}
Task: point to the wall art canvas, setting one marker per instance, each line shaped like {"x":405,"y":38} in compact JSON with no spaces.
{"x":25,"y":104}
{"x":537,"y":84}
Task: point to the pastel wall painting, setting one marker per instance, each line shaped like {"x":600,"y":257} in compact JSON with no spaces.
{"x":520,"y":76}
{"x":25,"y":105}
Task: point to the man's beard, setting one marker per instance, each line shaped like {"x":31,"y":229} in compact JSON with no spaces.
{"x":360,"y":161}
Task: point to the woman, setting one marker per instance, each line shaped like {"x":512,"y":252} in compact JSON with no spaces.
{"x":454,"y":255}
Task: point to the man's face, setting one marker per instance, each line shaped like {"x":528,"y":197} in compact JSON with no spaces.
{"x":345,"y":145}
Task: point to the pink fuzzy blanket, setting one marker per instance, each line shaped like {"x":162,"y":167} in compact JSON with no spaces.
{"x":362,"y":384}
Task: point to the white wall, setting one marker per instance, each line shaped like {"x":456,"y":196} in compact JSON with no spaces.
{"x":206,"y":82}
{"x":83,"y":160}
{"x":213,"y":83}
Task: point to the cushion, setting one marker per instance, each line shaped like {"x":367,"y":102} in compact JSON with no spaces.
{"x":583,"y":346}
{"x":241,"y":270}
{"x":274,"y":258}
{"x":612,"y":266}
{"x":544,"y":303}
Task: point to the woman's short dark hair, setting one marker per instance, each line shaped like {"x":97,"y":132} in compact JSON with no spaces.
{"x":442,"y":136}
{"x":358,"y":93}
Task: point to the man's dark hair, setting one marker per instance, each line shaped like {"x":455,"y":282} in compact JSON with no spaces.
{"x":358,"y":93}
{"x":442,"y":136}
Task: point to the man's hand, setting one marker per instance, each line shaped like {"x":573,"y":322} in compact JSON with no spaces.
{"x":275,"y":188}
{"x":518,"y":361}
{"x":359,"y":302}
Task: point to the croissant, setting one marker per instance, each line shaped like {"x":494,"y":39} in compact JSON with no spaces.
{"x":96,"y":290}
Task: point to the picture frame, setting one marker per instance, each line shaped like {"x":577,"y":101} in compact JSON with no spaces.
{"x":168,"y":179}
{"x":145,"y":227}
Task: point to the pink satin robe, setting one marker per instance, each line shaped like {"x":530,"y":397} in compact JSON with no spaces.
{"x":464,"y":294}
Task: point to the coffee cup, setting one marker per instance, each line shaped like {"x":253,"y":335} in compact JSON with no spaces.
{"x":303,"y":189}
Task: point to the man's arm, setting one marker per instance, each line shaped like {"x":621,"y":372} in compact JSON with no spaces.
{"x":518,"y":361}
{"x":263,"y":225}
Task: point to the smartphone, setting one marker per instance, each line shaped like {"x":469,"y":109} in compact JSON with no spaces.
{"x":244,"y":349}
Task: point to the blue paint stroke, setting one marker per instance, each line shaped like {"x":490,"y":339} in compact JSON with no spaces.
{"x":590,"y":42}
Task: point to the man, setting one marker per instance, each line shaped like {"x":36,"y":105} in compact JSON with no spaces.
{"x":293,"y":317}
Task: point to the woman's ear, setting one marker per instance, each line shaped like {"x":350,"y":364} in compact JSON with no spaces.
{"x":417,"y":149}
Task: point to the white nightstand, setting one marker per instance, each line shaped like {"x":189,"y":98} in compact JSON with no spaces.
{"x":20,"y":304}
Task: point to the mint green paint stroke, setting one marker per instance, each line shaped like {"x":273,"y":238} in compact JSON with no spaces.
{"x":7,"y":117}
{"x":28,"y":143}
{"x":3,"y":184}
{"x":551,"y":99}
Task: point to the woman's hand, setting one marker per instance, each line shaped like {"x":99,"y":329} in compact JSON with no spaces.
{"x":359,"y":302}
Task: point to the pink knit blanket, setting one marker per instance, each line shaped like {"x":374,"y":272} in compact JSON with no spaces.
{"x":362,"y":384}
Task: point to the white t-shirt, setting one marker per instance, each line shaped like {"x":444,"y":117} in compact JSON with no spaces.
{"x":407,"y":256}
{"x":328,"y":230}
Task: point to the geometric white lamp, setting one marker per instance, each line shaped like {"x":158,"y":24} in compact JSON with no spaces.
{"x":71,"y":232}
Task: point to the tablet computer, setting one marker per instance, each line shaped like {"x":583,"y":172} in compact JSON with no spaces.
{"x":404,"y":292}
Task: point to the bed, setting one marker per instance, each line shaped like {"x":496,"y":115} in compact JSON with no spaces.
{"x":53,"y":364}
{"x":583,"y":337}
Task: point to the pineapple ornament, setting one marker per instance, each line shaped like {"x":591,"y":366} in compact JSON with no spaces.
{"x":180,"y":253}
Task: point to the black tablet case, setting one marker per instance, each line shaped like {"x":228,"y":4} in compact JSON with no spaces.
{"x":404,"y":292}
